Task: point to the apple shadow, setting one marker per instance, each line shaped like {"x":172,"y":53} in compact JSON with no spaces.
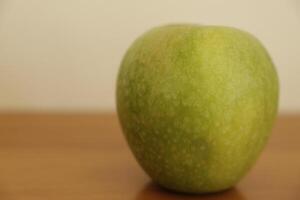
{"x":152,"y":191}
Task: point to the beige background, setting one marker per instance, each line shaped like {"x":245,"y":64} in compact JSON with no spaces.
{"x":63,"y":55}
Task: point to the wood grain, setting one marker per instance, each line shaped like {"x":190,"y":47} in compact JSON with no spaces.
{"x":84,"y":156}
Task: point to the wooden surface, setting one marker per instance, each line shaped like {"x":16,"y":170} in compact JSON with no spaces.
{"x":85,"y":157}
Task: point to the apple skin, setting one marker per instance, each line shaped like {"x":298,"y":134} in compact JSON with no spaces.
{"x":197,"y":104}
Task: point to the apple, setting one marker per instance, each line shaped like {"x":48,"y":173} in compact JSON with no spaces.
{"x":196,"y":104}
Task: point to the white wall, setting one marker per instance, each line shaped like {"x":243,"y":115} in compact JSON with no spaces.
{"x":64,"y":54}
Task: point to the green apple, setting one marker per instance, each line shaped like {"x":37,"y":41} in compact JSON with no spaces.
{"x":197,"y":104}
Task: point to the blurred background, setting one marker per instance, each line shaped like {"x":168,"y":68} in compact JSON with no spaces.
{"x":63,"y":56}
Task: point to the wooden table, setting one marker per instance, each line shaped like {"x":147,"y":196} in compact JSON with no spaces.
{"x":84,"y":156}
